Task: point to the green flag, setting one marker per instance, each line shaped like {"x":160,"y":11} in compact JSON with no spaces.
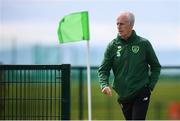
{"x":74,"y":27}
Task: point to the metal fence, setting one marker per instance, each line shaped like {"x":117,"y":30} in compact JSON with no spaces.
{"x":167,"y":73}
{"x":35,"y":92}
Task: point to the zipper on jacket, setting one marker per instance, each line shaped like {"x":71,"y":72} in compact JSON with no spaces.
{"x":127,"y":59}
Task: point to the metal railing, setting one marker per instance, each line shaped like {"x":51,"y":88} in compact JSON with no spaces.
{"x":35,"y":92}
{"x":81,"y":80}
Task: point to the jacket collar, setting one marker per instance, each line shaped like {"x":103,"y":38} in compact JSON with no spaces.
{"x":119,"y":40}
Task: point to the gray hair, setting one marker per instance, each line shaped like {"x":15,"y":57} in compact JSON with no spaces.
{"x":130,"y":17}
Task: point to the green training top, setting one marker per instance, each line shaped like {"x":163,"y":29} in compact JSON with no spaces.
{"x":134,"y":65}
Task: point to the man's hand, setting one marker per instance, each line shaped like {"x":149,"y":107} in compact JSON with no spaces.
{"x":107,"y":91}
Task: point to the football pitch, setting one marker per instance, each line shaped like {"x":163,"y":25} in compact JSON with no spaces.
{"x":103,"y":108}
{"x":106,"y":108}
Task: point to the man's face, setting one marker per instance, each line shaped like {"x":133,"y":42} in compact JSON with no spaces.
{"x":124,"y":27}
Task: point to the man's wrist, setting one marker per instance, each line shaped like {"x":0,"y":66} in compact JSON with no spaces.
{"x":102,"y":87}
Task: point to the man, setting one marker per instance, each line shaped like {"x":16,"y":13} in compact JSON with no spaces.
{"x":135,"y":67}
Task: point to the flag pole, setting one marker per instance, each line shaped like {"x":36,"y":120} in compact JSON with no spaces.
{"x":89,"y":83}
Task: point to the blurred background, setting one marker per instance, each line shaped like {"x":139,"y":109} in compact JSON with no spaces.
{"x":28,"y":35}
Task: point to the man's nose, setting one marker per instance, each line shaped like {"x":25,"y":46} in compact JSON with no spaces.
{"x":119,"y":27}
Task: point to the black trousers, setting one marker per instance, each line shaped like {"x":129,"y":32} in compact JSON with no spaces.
{"x":136,"y":108}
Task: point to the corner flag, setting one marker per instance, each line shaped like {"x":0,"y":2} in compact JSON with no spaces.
{"x":74,"y":27}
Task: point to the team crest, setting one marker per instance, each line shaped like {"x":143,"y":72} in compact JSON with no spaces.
{"x":135,"y":49}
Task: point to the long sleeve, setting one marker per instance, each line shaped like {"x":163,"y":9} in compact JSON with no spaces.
{"x":105,"y":67}
{"x":154,"y":64}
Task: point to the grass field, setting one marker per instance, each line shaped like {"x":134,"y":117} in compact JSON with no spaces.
{"x":103,"y":107}
{"x":31,"y":101}
{"x":107,"y":108}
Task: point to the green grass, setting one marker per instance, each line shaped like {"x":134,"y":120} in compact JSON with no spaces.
{"x":103,"y":107}
{"x":30,"y":101}
{"x":107,"y":108}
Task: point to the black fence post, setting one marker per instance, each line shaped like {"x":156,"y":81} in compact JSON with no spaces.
{"x":81,"y":101}
{"x":65,"y":103}
{"x":2,"y":91}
